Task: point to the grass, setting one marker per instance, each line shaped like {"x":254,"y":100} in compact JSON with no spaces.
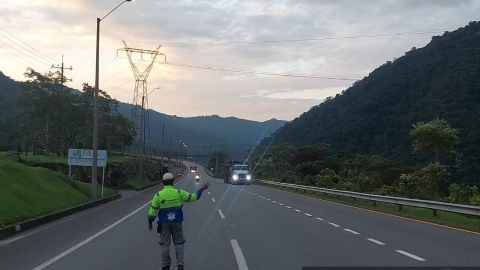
{"x":28,"y":192}
{"x":54,"y":159}
{"x":136,"y":182}
{"x":442,"y":218}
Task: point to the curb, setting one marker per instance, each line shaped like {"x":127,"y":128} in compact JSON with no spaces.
{"x":30,"y":224}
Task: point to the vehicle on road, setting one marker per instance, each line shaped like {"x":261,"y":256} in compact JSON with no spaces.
{"x":197,"y":178}
{"x":236,"y":172}
{"x":193,"y":168}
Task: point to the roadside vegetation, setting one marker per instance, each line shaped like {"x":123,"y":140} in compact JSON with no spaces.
{"x":30,"y":192}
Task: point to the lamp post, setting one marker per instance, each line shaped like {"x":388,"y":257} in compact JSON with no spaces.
{"x":95,"y":108}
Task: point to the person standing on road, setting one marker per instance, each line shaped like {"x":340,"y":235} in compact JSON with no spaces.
{"x":167,"y":204}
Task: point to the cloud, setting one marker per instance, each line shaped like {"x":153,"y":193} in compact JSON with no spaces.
{"x":201,"y":32}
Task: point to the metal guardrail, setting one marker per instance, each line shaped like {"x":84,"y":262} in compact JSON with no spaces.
{"x":432,"y":205}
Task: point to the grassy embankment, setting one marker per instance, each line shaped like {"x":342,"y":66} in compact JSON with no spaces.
{"x":30,"y":192}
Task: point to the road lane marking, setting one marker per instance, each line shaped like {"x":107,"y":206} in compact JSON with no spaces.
{"x":220,"y":213}
{"x":297,"y":210}
{"x":280,"y":204}
{"x":348,"y":230}
{"x":288,"y":207}
{"x":274,"y":201}
{"x":208,"y":192}
{"x":70,"y":250}
{"x":268,"y":199}
{"x":319,"y":218}
{"x":307,"y":214}
{"x":376,"y":241}
{"x":334,"y":225}
{"x":213,"y":200}
{"x":410,"y":255}
{"x":242,"y":264}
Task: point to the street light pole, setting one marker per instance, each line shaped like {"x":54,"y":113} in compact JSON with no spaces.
{"x":95,"y":108}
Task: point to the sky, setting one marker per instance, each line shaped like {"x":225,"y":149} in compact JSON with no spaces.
{"x":325,"y":44}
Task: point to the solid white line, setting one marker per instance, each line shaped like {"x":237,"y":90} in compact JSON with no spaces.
{"x":297,"y":210}
{"x":319,"y":218}
{"x":242,"y":264}
{"x":333,"y":224}
{"x":221,"y":214}
{"x":410,"y":255}
{"x":213,"y":200}
{"x":375,"y":241}
{"x":68,"y":251}
{"x":307,"y":214}
{"x":288,"y":207}
{"x":348,"y":230}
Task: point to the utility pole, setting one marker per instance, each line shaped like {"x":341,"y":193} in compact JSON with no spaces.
{"x":163,"y":137}
{"x":62,"y":68}
{"x":170,"y":155}
{"x":62,"y":81}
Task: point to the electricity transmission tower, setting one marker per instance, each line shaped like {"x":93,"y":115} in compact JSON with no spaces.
{"x":140,"y":114}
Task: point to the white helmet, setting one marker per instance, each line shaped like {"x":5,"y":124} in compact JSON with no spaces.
{"x":167,"y":176}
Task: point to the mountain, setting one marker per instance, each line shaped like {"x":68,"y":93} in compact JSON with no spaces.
{"x":201,"y":134}
{"x":375,"y":115}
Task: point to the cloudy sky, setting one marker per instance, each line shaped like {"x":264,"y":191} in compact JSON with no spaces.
{"x":334,"y":42}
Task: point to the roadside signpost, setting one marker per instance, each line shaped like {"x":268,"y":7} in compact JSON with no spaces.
{"x":84,"y":158}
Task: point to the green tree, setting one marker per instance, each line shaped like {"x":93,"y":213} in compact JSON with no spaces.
{"x":429,"y":179}
{"x":436,"y":136}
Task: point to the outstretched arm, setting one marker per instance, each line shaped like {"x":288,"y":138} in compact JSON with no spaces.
{"x":187,"y":197}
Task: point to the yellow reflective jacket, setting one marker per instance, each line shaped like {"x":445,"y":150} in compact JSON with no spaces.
{"x":168,"y":204}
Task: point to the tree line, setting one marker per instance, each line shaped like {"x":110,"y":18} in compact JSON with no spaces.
{"x":317,"y":166}
{"x":50,"y":118}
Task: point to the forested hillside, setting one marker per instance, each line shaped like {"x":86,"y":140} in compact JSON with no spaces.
{"x":375,"y":115}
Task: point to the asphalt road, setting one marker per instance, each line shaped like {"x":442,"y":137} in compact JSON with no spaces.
{"x":240,"y":227}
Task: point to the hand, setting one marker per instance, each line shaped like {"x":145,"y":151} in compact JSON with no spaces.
{"x":150,"y":227}
{"x":205,"y":186}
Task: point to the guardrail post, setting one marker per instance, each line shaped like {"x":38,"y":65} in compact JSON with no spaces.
{"x":400,"y":208}
{"x":354,"y":198}
{"x":374,"y":203}
{"x":434,"y":212}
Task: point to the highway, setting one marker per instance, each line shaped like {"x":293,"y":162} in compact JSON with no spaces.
{"x":239,"y":227}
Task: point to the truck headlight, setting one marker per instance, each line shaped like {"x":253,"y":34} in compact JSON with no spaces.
{"x":235,"y":177}
{"x":249,"y":177}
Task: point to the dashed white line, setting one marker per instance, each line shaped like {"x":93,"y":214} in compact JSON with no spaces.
{"x":220,"y":213}
{"x":280,"y":204}
{"x":208,"y":192}
{"x":288,"y":207}
{"x":268,"y":199}
{"x":319,"y":218}
{"x":350,"y":231}
{"x":213,"y":200}
{"x":410,"y":255}
{"x":307,"y":214}
{"x":274,"y":201}
{"x":296,"y":210}
{"x":375,"y":241}
{"x":333,"y":224}
{"x":242,"y":264}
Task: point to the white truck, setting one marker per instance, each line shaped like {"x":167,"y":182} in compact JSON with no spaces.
{"x":239,"y":174}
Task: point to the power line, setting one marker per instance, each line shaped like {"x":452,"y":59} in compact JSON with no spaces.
{"x":41,"y":60}
{"x":23,"y":53}
{"x":94,"y":62}
{"x":29,"y":64}
{"x":82,"y":81}
{"x":29,"y":46}
{"x":298,"y":40}
{"x":307,"y":76}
